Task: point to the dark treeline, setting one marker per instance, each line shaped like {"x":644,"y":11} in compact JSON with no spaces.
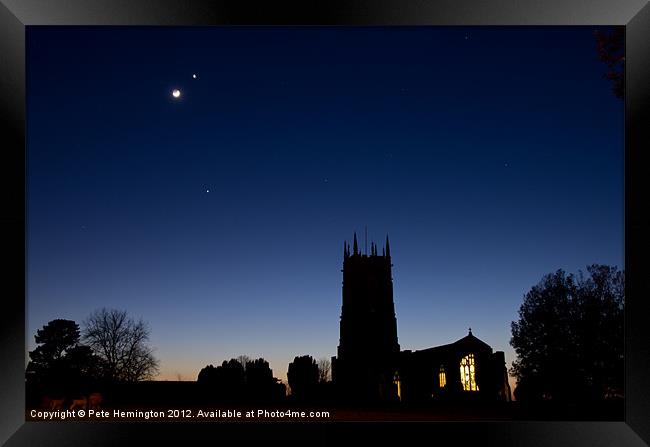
{"x":568,"y":340}
{"x":234,"y":382}
{"x":245,"y":380}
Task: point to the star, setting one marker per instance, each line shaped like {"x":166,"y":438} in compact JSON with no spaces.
{"x":176,"y":93}
{"x":194,"y":76}
{"x":207,"y":190}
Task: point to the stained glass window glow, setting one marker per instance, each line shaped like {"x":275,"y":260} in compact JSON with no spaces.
{"x":398,"y":384}
{"x":468,"y":373}
{"x":442,"y":377}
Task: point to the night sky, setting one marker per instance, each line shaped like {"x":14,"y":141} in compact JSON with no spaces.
{"x":491,"y":156}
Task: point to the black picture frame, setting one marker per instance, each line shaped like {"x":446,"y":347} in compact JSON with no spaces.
{"x":16,"y":15}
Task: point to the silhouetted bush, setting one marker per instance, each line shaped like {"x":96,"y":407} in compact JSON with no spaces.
{"x":303,"y":377}
{"x":234,"y":382}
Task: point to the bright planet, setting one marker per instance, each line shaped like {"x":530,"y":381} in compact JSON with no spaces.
{"x":176,"y":93}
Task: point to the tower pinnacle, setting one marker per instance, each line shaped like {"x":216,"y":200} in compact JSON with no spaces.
{"x":387,"y":247}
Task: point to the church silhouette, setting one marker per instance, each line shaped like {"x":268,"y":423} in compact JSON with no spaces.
{"x":369,"y":365}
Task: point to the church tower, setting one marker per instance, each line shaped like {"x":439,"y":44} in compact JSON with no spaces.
{"x":366,"y":362}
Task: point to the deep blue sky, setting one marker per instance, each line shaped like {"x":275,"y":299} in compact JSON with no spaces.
{"x":490,"y":155}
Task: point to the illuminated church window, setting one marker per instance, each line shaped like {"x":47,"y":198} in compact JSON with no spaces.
{"x":398,"y":384}
{"x":442,"y":377}
{"x":468,"y":373}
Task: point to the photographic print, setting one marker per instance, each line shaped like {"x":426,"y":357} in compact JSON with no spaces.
{"x":325,"y":223}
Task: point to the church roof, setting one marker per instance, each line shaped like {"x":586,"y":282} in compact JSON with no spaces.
{"x":469,"y":342}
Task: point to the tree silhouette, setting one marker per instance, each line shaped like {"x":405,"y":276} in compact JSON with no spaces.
{"x":232,"y":375}
{"x":611,"y":50}
{"x":83,"y":364}
{"x":225,"y":382}
{"x":260,"y":383}
{"x":54,"y":339}
{"x":244,"y":360}
{"x":233,"y":382}
{"x":60,"y":359}
{"x":569,"y":337}
{"x":259,"y":374}
{"x":208,"y":375}
{"x":324,"y":369}
{"x":121,"y":344}
{"x":303,"y":377}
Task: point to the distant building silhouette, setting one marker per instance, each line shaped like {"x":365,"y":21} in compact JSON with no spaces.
{"x":369,"y":366}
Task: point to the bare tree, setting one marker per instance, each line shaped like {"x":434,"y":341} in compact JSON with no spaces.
{"x":244,"y":360}
{"x":324,"y":369}
{"x":121,"y":343}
